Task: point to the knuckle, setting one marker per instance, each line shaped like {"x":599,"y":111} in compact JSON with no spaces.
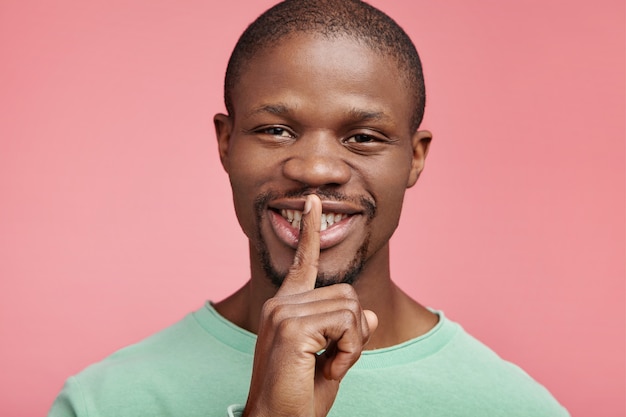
{"x":352,"y":350}
{"x":288,"y":326}
{"x":278,"y":313}
{"x":303,"y":259}
{"x":346,"y":290}
{"x":353,"y":305}
{"x":274,"y":311}
{"x":268,"y":307}
{"x":294,"y":269}
{"x":349,"y":317}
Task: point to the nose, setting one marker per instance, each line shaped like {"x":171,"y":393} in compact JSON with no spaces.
{"x":317,"y":160}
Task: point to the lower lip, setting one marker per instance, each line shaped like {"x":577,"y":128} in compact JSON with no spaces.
{"x":328,"y":238}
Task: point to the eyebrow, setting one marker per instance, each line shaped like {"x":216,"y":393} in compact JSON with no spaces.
{"x":277,"y":109}
{"x":363,"y":115}
{"x":355,"y":114}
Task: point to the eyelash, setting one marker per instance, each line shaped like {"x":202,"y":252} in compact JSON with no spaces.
{"x":286,"y":133}
{"x":267,"y":131}
{"x":369,"y":138}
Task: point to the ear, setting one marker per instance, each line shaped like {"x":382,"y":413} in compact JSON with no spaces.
{"x":223,"y":129}
{"x":420,"y":143}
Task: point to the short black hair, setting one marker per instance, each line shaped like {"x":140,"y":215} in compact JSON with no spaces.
{"x":330,"y":18}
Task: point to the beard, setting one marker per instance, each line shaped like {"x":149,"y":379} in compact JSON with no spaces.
{"x":348,"y":275}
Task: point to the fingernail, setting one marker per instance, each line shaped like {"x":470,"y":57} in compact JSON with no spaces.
{"x":308,"y":204}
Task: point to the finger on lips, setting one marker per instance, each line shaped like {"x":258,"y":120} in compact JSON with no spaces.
{"x":303,"y":272}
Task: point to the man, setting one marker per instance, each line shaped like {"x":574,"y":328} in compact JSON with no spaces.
{"x":321,"y":140}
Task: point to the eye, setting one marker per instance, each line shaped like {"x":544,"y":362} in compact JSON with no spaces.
{"x":368,"y":141}
{"x":276,"y":131}
{"x":361,"y":138}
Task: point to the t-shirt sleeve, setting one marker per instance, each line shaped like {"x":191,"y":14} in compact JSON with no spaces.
{"x":69,"y":401}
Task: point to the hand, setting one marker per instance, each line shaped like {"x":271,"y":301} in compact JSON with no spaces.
{"x":289,"y":378}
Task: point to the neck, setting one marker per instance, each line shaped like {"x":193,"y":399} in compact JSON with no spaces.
{"x":400,"y":317}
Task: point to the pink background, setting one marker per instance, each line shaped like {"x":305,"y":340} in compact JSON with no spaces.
{"x":116,"y":219}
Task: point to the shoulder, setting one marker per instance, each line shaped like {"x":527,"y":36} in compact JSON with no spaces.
{"x":496,"y":381}
{"x":489,"y":382}
{"x":447,"y":372}
{"x":159,"y":373}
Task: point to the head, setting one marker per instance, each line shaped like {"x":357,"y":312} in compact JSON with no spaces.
{"x":325,"y":97}
{"x":330,"y":18}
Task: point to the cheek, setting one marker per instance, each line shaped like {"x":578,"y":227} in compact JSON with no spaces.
{"x":244,"y":208}
{"x":388,"y":181}
{"x":246,"y":168}
{"x":390,"y":207}
{"x":250,"y":174}
{"x":385,"y":223}
{"x":251,"y":164}
{"x":389,"y":190}
{"x":244,"y":188}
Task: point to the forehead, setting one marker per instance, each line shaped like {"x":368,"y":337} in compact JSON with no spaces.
{"x":314,"y":71}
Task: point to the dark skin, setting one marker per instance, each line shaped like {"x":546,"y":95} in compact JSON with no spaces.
{"x":317,"y":117}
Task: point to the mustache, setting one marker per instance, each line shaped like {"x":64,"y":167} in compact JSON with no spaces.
{"x":367,"y":204}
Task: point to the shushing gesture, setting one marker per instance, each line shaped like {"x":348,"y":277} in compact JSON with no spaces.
{"x":308,"y":338}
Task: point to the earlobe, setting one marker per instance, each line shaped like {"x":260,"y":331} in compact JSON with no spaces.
{"x":420,"y":143}
{"x":223,"y":129}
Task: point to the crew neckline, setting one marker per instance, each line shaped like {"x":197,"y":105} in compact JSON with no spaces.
{"x":412,"y":350}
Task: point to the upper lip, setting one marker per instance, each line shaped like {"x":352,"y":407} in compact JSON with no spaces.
{"x":328,"y":206}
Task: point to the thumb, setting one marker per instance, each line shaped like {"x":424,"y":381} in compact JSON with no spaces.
{"x":372,"y":321}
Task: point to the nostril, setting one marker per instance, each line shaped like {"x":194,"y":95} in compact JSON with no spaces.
{"x":315,"y":171}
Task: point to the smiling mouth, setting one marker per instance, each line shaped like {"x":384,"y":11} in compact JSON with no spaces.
{"x":294,"y":217}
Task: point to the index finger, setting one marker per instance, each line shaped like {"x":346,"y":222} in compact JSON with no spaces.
{"x":303,"y":272}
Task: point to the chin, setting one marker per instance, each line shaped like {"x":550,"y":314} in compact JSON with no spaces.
{"x":348,"y":275}
{"x":324,"y":279}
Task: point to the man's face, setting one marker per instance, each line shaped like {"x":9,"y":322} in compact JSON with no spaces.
{"x":323,"y":116}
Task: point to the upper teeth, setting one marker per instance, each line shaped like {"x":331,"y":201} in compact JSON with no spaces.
{"x":295,"y":217}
